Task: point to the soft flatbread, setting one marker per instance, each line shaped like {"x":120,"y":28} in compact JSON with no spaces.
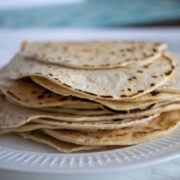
{"x":29,"y":94}
{"x":93,"y":54}
{"x":61,"y":146}
{"x":154,"y":129}
{"x":13,"y":116}
{"x":84,"y":126}
{"x":118,"y":83}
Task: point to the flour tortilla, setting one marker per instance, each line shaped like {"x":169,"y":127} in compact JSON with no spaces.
{"x":80,"y":112}
{"x":31,"y":126}
{"x":84,"y":126}
{"x":168,"y":91}
{"x":96,"y":125}
{"x":60,"y":146}
{"x":153,"y":97}
{"x":29,"y":94}
{"x":119,"y":83}
{"x":131,"y":105}
{"x":154,"y":129}
{"x":13,"y":116}
{"x":93,"y":55}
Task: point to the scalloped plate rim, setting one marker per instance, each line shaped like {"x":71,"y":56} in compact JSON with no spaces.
{"x":171,"y":153}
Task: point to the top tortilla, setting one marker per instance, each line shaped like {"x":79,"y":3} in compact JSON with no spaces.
{"x":119,"y":83}
{"x":93,"y":54}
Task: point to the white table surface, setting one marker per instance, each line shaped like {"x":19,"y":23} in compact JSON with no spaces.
{"x":9,"y":44}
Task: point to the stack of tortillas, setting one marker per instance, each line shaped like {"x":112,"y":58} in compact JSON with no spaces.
{"x":77,"y":96}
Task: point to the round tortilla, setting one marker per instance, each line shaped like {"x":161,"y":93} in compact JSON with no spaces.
{"x":119,"y":83}
{"x":154,"y":129}
{"x":93,"y":54}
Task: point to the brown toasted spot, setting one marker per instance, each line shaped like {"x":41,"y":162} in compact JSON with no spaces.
{"x":168,"y":72}
{"x":59,"y":57}
{"x":154,"y":76}
{"x":134,"y":77}
{"x":138,"y":109}
{"x":66,"y":85}
{"x":10,"y":93}
{"x":154,"y":50}
{"x":129,"y":79}
{"x":155,"y":93}
{"x":75,"y":98}
{"x":33,"y":92}
{"x":135,"y":110}
{"x":106,"y":96}
{"x":150,"y":106}
{"x":98,"y":137}
{"x":46,"y":92}
{"x":123,"y":95}
{"x":50,"y":74}
{"x":116,"y":111}
{"x":129,"y":89}
{"x":146,"y":66}
{"x":40,"y":97}
{"x":63,"y":98}
{"x":145,"y":116}
{"x":117,"y":120}
{"x":139,"y":71}
{"x":140,"y":91}
{"x":123,"y":90}
{"x":152,"y":84}
{"x":112,"y":53}
{"x":86,"y":65}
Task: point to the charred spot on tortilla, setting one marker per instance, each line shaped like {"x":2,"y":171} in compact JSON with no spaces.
{"x":116,"y":111}
{"x":155,"y":93}
{"x":40,"y":97}
{"x":63,"y":98}
{"x":168,"y":73}
{"x":10,"y":93}
{"x":152,"y":84}
{"x":118,"y":120}
{"x":139,"y":71}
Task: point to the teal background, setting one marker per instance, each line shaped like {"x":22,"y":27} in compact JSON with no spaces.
{"x":92,"y":13}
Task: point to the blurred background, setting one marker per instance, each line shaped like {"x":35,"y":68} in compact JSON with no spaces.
{"x":18,"y":14}
{"x":154,"y":20}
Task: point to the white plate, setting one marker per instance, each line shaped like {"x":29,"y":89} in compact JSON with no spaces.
{"x":23,"y":155}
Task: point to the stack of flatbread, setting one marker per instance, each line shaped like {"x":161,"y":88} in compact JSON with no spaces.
{"x":77,"y":96}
